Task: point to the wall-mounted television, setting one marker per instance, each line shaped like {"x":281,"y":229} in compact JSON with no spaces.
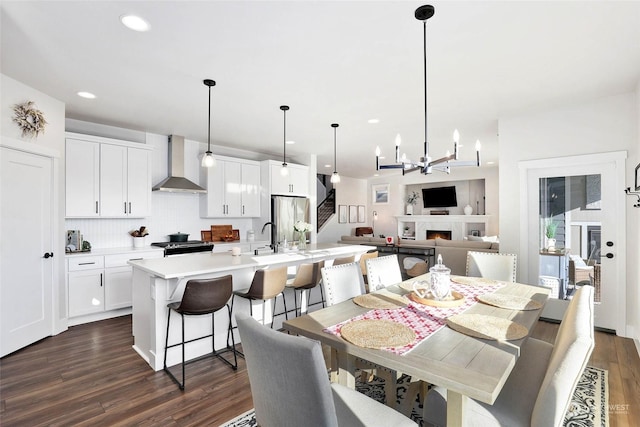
{"x":439,"y":197}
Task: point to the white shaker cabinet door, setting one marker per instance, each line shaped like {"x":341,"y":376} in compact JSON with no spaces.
{"x":250,"y":190}
{"x":86,"y":292}
{"x":82,"y":178}
{"x":138,"y":182}
{"x":113,"y":180}
{"x":117,"y":289}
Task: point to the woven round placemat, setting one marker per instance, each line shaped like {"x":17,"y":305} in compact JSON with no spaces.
{"x":375,"y":333}
{"x":487,"y":327}
{"x":474,"y":281}
{"x":381,"y":300}
{"x":511,"y":302}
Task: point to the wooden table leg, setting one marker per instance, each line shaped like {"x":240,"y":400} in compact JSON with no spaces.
{"x":456,"y":403}
{"x":346,"y":370}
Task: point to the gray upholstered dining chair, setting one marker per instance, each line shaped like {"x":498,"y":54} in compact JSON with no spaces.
{"x":538,"y":391}
{"x":290,"y":386}
{"x":383,"y":271}
{"x":491,"y":265}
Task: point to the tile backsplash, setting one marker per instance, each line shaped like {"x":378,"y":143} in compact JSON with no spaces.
{"x":172,"y":213}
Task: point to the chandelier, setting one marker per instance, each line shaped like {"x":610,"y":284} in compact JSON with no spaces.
{"x":426,"y":164}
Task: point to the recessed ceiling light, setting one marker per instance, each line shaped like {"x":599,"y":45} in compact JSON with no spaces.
{"x":382,"y":157}
{"x":373,"y":121}
{"x":376,"y":174}
{"x":135,"y":23}
{"x":87,"y":95}
{"x":491,"y":163}
{"x":327,"y":166}
{"x":290,"y":142}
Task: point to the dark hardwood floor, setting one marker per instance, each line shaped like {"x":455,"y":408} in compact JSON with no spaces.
{"x":90,"y":376}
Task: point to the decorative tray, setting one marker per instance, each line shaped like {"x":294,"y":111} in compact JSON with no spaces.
{"x":454,"y":300}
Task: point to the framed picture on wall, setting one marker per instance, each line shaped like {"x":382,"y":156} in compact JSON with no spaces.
{"x":342,"y":214}
{"x":353,"y":213}
{"x":361,"y":213}
{"x":380,"y":193}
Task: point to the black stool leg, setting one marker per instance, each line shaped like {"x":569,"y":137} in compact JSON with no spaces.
{"x":233,"y":343}
{"x":166,"y":347}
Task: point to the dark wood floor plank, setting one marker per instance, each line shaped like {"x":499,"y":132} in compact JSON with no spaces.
{"x":90,"y":376}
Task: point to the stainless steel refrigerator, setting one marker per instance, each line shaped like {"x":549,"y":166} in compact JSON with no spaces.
{"x":285,"y":211}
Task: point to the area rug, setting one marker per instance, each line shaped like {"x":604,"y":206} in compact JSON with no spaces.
{"x":588,"y":407}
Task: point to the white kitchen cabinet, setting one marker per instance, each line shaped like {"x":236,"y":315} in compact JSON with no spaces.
{"x":107,"y":178}
{"x":296,"y":183}
{"x":82,"y":178}
{"x":233,"y":189}
{"x":86,"y":285}
{"x":251,"y":189}
{"x":100,"y":284}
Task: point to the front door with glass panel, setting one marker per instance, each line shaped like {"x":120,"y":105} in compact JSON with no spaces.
{"x":575,"y":233}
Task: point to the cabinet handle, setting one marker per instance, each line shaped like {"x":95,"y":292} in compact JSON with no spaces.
{"x":125,"y":207}
{"x":96,"y":206}
{"x":129,"y":207}
{"x":242,"y":209}
{"x":86,"y":263}
{"x":100,"y":279}
{"x":134,"y":259}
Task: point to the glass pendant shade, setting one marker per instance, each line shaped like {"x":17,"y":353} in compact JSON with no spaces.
{"x":208,"y":160}
{"x":335,"y":178}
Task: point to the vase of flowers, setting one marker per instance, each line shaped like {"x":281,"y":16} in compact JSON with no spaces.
{"x":412,"y":199}
{"x":302,"y":228}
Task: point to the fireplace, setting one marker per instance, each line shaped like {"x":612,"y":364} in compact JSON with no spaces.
{"x":439,"y":234}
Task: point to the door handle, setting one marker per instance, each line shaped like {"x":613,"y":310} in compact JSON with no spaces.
{"x":607,"y":255}
{"x":48,"y":254}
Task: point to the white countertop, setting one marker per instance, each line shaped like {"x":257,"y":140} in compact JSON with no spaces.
{"x":204,"y":263}
{"x":114,"y":251}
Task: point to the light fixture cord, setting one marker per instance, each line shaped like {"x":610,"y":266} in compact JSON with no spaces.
{"x":335,"y":156}
{"x":426,"y":144}
{"x":284,"y":138}
{"x":209,"y":125}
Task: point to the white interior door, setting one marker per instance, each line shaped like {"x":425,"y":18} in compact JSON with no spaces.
{"x":26,"y":276}
{"x":560,"y":180}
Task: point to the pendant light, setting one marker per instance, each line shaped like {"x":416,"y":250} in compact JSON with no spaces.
{"x":335,"y":177}
{"x":426,"y":164}
{"x":284,"y":171}
{"x":208,"y":160}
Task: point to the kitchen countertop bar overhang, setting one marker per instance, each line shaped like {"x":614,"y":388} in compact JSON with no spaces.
{"x":157,"y":282}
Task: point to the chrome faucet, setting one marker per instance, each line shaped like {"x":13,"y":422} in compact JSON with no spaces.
{"x":274,"y":235}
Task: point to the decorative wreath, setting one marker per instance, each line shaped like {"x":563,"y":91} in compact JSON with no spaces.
{"x":29,"y":118}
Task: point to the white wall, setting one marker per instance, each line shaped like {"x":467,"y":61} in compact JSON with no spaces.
{"x":608,"y":124}
{"x":387,"y":224}
{"x":350,"y":191}
{"x":13,"y":92}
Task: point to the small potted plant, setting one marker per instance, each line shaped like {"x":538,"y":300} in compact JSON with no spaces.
{"x":412,"y":199}
{"x":550,"y":228}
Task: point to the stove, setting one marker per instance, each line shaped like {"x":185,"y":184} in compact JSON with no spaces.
{"x":179,"y":248}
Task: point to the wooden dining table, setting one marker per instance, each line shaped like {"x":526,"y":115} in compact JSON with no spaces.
{"x":468,"y":367}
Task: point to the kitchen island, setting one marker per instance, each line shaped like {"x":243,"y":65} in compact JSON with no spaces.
{"x":157,"y":282}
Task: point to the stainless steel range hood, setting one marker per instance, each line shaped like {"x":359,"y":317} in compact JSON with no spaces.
{"x":177,"y":183}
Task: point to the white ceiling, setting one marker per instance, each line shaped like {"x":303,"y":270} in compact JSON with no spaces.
{"x":330,"y":61}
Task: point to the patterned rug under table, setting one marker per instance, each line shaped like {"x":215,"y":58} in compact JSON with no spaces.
{"x":588,"y":407}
